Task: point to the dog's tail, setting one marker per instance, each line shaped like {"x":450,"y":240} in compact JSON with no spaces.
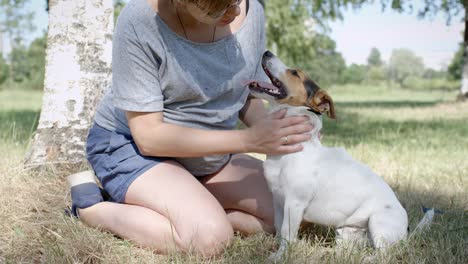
{"x":425,"y":223}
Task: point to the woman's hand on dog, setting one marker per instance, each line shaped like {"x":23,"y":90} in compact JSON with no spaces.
{"x":277,"y":134}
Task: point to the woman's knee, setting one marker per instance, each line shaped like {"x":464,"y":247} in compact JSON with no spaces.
{"x":210,"y":237}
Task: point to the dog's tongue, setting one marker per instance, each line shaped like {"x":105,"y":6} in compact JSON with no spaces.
{"x":259,"y":83}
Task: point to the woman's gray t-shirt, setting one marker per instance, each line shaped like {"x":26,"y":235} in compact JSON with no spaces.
{"x":198,"y":85}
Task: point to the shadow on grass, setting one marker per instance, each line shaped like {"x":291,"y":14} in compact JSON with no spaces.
{"x":352,"y":129}
{"x":18,"y":126}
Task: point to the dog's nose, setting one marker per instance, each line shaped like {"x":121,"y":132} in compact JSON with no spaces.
{"x":268,"y":54}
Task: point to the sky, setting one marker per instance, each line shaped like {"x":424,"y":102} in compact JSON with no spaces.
{"x":360,"y":30}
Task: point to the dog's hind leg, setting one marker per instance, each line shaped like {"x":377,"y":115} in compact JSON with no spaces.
{"x":387,"y":227}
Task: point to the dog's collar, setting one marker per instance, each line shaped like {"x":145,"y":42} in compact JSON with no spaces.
{"x":313,"y":111}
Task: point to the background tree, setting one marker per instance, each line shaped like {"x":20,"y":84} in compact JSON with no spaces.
{"x":36,"y":62}
{"x":14,"y":23}
{"x":27,"y":65}
{"x":449,"y":8}
{"x":355,"y":73}
{"x":455,"y":67}
{"x":294,"y":35}
{"x":4,"y":68}
{"x":118,"y":6}
{"x":375,"y":67}
{"x":79,"y":44}
{"x":325,"y":65}
{"x":19,"y":67}
{"x":14,"y":20}
{"x":374,"y":59}
{"x":430,"y":73}
{"x":375,"y":74}
{"x":324,"y":10}
{"x":286,"y":30}
{"x":404,"y":63}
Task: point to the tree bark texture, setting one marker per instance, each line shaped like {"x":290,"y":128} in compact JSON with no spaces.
{"x":78,"y":71}
{"x":1,"y":43}
{"x":464,"y":85}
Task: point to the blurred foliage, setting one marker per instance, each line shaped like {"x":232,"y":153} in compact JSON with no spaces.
{"x":403,"y":64}
{"x":118,"y":6}
{"x":326,"y":65}
{"x":19,"y":68}
{"x":435,"y":74}
{"x":375,"y":74}
{"x":430,"y":8}
{"x":355,"y":73}
{"x":417,"y":83}
{"x":292,"y":35}
{"x":323,"y":10}
{"x":286,"y":30}
{"x":26,"y":66}
{"x":456,"y":65}
{"x":15,"y":21}
{"x":4,"y":69}
{"x":374,"y":59}
{"x":36,"y":62}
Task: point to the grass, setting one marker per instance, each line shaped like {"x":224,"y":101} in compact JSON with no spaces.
{"x":417,"y":141}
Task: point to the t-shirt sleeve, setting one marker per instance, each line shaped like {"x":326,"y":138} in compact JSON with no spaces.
{"x":135,"y":66}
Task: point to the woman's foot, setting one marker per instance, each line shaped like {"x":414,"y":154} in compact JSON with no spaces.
{"x":84,"y":191}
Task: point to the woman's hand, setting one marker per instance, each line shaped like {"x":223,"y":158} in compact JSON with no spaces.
{"x":276,"y":134}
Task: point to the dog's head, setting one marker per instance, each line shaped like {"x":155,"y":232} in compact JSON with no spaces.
{"x":292,"y":87}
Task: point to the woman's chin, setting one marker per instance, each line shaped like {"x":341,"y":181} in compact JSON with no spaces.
{"x":226,"y":22}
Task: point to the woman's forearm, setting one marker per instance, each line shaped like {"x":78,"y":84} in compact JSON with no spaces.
{"x":169,"y":140}
{"x":265,"y":134}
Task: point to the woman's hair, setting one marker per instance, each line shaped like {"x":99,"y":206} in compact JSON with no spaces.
{"x":210,"y":6}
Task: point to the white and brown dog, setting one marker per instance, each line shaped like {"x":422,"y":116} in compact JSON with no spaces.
{"x":323,"y":185}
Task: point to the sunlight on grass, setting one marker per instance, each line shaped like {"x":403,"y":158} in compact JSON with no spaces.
{"x":417,"y":141}
{"x":11,"y":100}
{"x":19,"y":112}
{"x":382,"y":93}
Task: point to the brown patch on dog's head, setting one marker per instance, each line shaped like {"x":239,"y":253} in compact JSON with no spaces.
{"x":297,"y":95}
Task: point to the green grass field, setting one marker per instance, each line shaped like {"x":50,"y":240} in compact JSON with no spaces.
{"x":417,"y":141}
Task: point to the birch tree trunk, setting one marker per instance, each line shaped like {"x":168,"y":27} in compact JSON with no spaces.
{"x":464,"y":86}
{"x":1,"y":43}
{"x":78,"y":70}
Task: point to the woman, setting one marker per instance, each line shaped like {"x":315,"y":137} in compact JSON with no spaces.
{"x":164,"y":144}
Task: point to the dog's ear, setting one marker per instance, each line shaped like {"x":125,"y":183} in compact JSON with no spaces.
{"x":329,"y":106}
{"x":323,"y":103}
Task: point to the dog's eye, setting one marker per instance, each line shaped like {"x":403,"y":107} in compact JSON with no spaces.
{"x":295,"y":73}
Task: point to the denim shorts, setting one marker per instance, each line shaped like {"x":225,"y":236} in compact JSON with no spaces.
{"x":116,"y":160}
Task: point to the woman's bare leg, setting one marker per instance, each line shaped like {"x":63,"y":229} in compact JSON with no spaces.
{"x":241,"y":189}
{"x":166,"y":208}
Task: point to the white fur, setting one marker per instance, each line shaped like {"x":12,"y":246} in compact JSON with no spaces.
{"x":326,"y":186}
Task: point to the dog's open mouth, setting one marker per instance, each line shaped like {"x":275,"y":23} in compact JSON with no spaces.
{"x":276,"y":88}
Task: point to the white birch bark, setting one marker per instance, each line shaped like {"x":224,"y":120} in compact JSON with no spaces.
{"x":78,"y":70}
{"x":1,"y":43}
{"x":464,"y":86}
{"x":464,"y":83}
